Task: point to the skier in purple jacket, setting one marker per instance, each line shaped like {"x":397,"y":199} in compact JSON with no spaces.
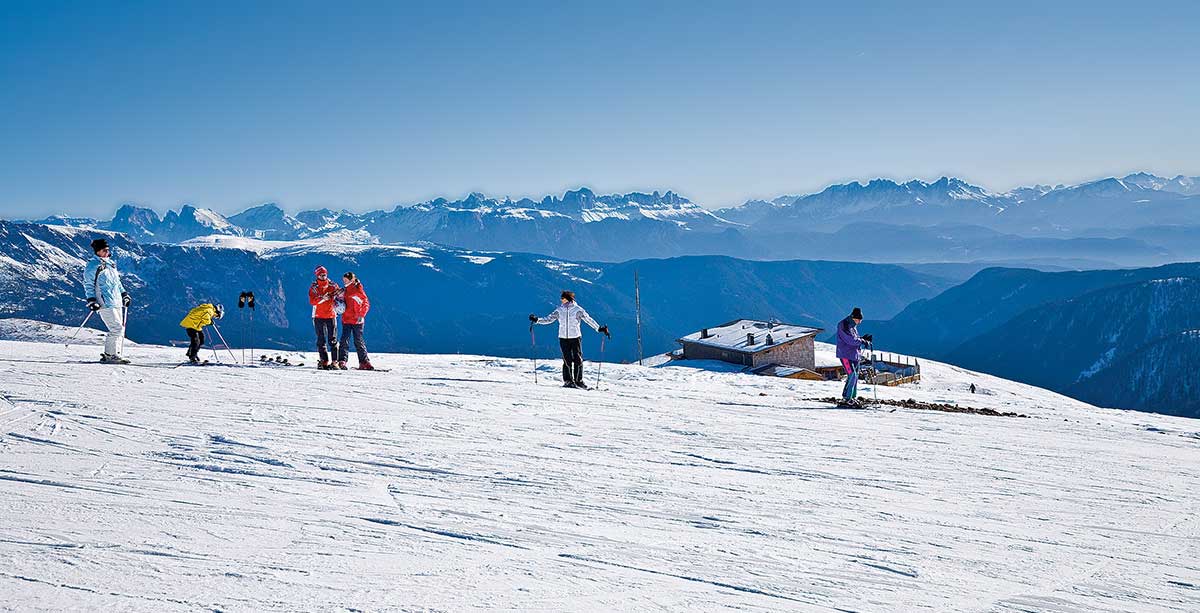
{"x":849,"y":351}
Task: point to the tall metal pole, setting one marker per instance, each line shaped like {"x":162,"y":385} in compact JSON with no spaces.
{"x":243,"y":315}
{"x":637,"y":300}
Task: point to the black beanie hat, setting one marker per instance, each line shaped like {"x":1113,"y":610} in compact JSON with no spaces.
{"x":856,"y":313}
{"x":98,"y":245}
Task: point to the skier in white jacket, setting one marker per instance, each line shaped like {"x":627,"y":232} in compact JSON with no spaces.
{"x":106,"y":296}
{"x":569,"y":315}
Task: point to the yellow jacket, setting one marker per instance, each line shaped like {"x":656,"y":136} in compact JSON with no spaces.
{"x":199,"y":317}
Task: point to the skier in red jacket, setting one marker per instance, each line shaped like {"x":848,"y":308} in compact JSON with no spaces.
{"x":321,"y":295}
{"x":353,"y":319}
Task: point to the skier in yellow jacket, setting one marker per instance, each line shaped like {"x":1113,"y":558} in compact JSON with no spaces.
{"x":195,"y":322}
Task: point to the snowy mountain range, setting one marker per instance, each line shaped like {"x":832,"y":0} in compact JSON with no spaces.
{"x":429,"y":298}
{"x":1138,"y":199}
{"x":1099,"y":335}
{"x":584,"y":225}
{"x":477,"y":221}
{"x":946,"y":200}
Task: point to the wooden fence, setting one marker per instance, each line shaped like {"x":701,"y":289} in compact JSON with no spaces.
{"x":893,"y":369}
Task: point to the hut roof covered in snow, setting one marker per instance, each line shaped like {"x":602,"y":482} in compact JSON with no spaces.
{"x":749,"y":335}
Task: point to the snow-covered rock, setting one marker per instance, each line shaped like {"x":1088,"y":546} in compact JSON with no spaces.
{"x":456,"y":483}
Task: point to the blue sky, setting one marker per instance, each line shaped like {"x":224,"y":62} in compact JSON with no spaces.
{"x":365,"y":105}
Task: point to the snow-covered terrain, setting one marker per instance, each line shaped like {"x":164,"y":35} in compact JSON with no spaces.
{"x":456,"y":483}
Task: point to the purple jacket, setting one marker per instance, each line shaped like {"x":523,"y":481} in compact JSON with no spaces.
{"x":849,"y":343}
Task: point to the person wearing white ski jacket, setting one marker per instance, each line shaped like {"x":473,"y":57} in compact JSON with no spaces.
{"x":570,"y":316}
{"x":107,"y":297}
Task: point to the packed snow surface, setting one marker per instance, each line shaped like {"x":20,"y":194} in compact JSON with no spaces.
{"x":456,"y":483}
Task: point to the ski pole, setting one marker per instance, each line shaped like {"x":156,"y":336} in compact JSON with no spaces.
{"x":875,"y":383}
{"x":231,"y":354}
{"x":600,"y":364}
{"x":80,"y":329}
{"x":250,"y":303}
{"x":124,"y":321}
{"x":533,"y":351}
{"x":212,"y":346}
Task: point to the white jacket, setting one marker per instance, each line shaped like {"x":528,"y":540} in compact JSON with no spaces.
{"x":568,"y":317}
{"x":103,"y":282}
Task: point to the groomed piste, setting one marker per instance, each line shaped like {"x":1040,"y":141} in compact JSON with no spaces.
{"x":454,"y":483}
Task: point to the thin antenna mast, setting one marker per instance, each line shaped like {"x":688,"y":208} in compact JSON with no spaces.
{"x":637,"y":300}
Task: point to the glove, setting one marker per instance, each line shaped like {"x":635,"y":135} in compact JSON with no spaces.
{"x":532,"y":318}
{"x":93,"y":305}
{"x":604,"y":331}
{"x":868,"y":338}
{"x":126,"y":299}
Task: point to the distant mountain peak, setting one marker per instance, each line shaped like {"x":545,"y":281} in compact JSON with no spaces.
{"x":266,"y":206}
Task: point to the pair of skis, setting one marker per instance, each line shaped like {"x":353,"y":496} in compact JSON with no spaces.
{"x":277,"y":361}
{"x":335,"y":369}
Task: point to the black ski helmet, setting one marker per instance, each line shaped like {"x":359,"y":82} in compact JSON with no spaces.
{"x":220,"y":312}
{"x":99,"y":245}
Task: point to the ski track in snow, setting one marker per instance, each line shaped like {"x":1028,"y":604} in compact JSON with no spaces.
{"x":453,"y":483}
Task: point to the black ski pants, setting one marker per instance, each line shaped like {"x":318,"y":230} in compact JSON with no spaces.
{"x":326,"y":337}
{"x":572,"y":351}
{"x":197,"y":341}
{"x":354,"y":331}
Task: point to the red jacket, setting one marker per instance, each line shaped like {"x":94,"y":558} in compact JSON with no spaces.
{"x":357,"y":304}
{"x":321,"y":295}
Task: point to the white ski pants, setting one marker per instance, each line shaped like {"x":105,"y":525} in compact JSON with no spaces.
{"x":116,"y":330}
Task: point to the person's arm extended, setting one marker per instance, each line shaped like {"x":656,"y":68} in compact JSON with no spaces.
{"x":585,"y":318}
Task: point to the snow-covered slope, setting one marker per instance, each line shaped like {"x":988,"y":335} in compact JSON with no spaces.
{"x":17,"y":329}
{"x":456,"y":483}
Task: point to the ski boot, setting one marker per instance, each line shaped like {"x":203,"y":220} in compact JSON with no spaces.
{"x":580,"y":385}
{"x":192,"y":359}
{"x":341,"y":365}
{"x":323,"y":365}
{"x":109,"y":358}
{"x":365,"y":366}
